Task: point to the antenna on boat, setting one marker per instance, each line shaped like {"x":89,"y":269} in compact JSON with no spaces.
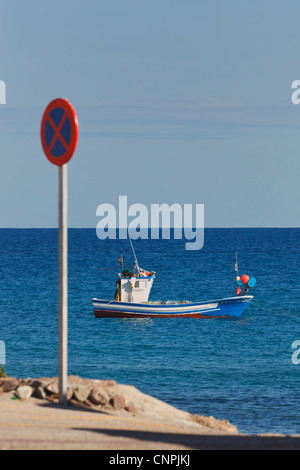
{"x":236,"y":264}
{"x":135,"y":258}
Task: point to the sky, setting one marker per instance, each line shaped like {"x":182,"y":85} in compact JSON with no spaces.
{"x":178,"y":101}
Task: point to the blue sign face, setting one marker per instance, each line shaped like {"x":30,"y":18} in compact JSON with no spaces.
{"x":57,"y":132}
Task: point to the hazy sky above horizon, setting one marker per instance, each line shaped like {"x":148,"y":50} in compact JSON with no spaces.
{"x":178,"y":102}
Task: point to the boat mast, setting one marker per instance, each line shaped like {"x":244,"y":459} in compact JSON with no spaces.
{"x":236,"y":264}
{"x":135,"y":258}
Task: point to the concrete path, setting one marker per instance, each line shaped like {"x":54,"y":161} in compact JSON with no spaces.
{"x":36,"y":424}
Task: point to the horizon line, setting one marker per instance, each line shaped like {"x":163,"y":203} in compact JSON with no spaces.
{"x":155,"y":228}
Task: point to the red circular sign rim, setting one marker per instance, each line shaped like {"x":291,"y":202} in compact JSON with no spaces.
{"x":71,"y":114}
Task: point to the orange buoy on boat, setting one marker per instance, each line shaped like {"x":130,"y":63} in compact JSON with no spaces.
{"x":245,"y":279}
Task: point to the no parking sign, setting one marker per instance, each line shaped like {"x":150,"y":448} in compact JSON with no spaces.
{"x":59,"y":131}
{"x":59,"y":135}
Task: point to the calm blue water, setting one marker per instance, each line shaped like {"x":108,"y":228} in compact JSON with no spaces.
{"x":236,"y":369}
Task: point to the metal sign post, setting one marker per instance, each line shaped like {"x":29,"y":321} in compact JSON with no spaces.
{"x":59,"y":135}
{"x":63,"y":283}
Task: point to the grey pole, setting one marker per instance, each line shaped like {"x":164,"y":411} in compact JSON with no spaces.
{"x":63,"y":284}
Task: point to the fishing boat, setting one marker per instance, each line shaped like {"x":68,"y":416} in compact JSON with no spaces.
{"x":133,"y":289}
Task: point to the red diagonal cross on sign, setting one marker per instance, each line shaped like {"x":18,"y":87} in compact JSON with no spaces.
{"x":57,"y":130}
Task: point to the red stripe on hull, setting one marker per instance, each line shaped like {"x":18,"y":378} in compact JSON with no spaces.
{"x":113,"y":314}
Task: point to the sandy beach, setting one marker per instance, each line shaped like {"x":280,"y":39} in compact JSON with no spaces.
{"x":140,"y":423}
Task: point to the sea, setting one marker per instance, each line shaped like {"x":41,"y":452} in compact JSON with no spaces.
{"x":244,"y":370}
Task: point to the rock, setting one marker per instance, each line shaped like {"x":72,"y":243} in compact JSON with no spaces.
{"x":88,"y":403}
{"x":24,"y":392}
{"x":70,"y":391}
{"x":98,"y":396}
{"x":130,"y":409}
{"x":81,"y":393}
{"x":76,"y":380}
{"x":108,"y":383}
{"x":9,"y":384}
{"x":41,"y":382}
{"x":118,"y":402}
{"x":52,"y":388}
{"x":39,"y":392}
{"x":213,"y":423}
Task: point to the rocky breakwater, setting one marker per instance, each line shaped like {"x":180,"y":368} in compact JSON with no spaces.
{"x":110,"y":397}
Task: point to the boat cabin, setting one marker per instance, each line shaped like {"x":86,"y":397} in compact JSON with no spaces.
{"x":135,"y":288}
